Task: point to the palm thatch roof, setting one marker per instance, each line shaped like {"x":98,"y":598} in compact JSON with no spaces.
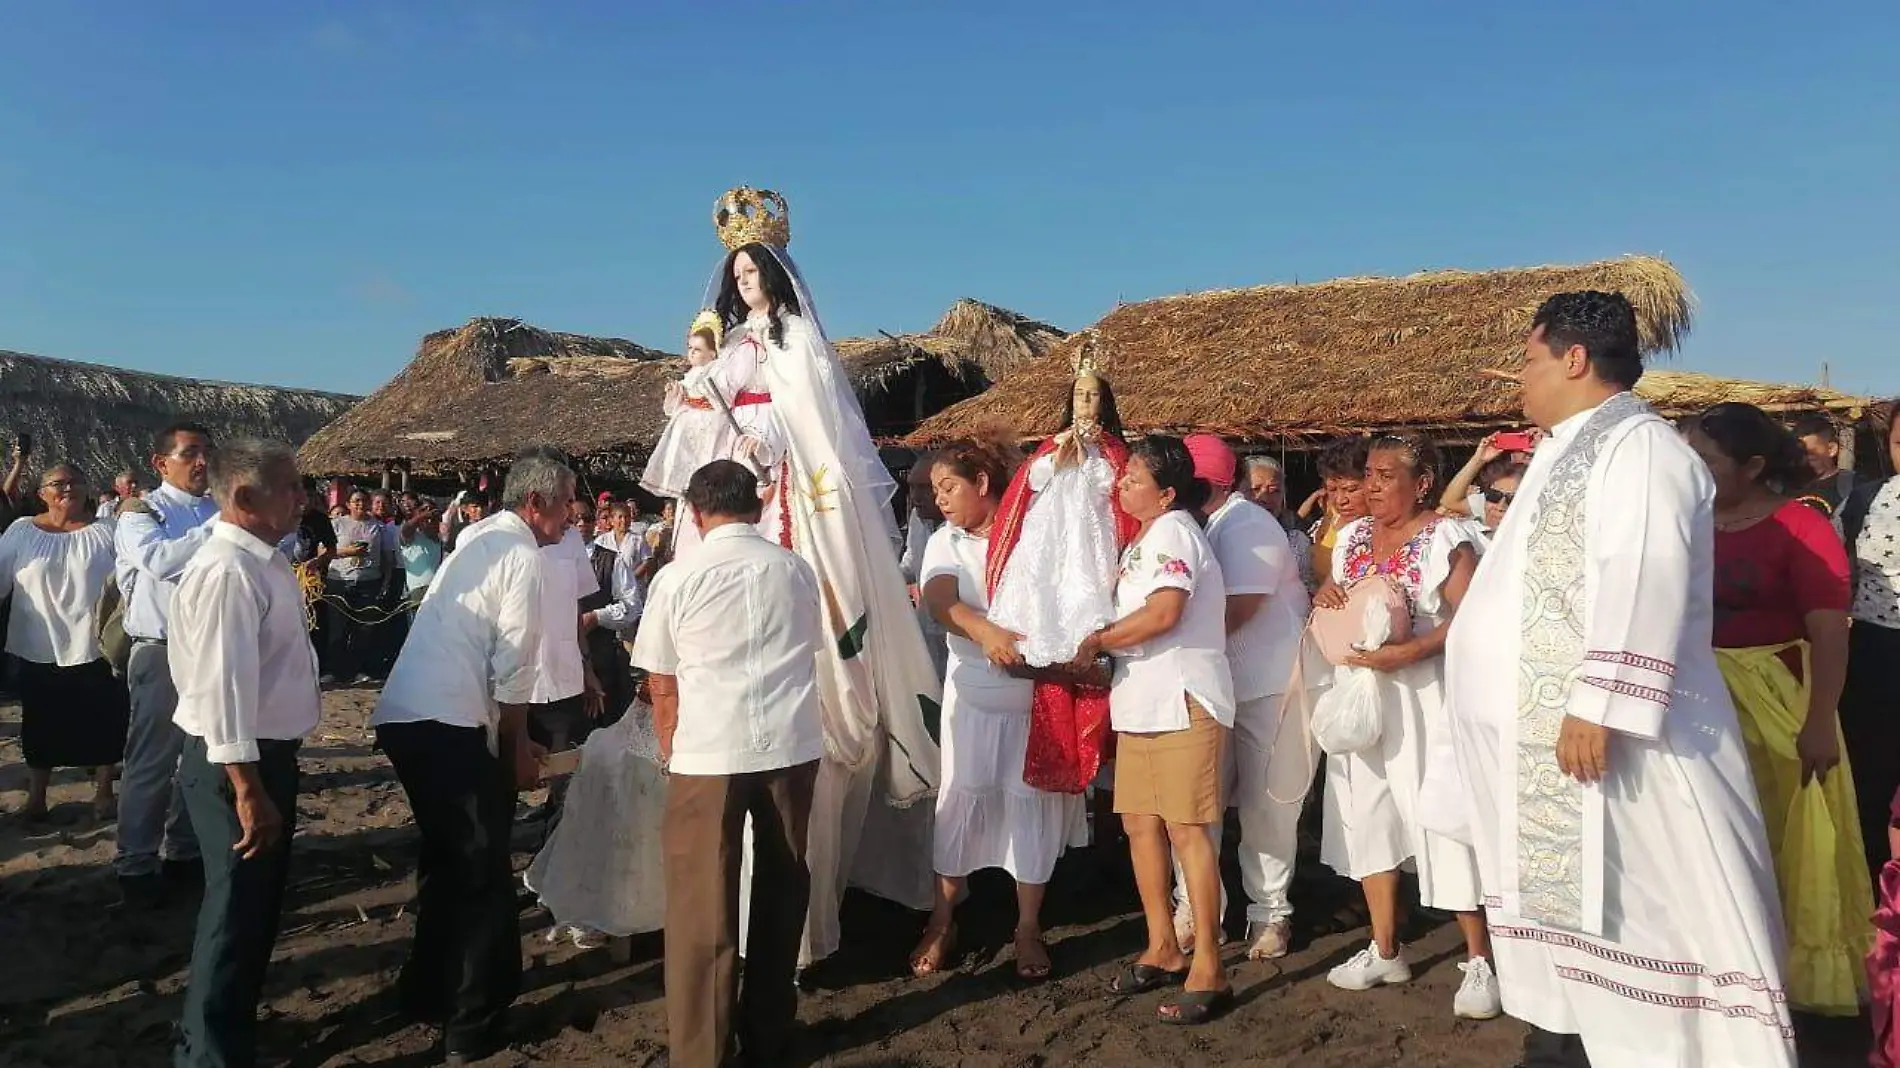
{"x":105,"y":418}
{"x":478,"y":393}
{"x":1300,"y":363}
{"x":1680,"y":393}
{"x":973,"y":341}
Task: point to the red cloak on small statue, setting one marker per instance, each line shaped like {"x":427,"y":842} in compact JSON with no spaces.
{"x":1068,"y":722}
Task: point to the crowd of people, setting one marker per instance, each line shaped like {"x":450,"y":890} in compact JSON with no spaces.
{"x":1615,"y":696}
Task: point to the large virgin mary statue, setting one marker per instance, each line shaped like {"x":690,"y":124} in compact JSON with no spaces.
{"x":828,"y":499}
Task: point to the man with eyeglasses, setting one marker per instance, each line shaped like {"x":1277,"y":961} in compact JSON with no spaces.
{"x":157,"y":536}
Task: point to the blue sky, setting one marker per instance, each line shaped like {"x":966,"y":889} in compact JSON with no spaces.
{"x":296,"y":193}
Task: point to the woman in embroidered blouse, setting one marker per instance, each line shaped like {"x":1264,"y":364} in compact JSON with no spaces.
{"x":1381,"y":814}
{"x":1781,"y":597}
{"x":73,"y":709}
{"x":1172,"y":707}
{"x":1870,"y":710}
{"x":987,"y":816}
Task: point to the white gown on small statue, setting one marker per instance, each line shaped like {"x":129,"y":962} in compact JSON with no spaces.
{"x":603,"y":867}
{"x":697,"y":432}
{"x":1382,"y":804}
{"x":739,"y":374}
{"x":1058,"y":586}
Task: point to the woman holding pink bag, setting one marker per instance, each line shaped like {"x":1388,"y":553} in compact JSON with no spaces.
{"x":1376,"y":806}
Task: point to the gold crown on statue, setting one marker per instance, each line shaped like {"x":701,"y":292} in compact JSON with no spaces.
{"x":1085,"y":361}
{"x":709,"y":320}
{"x":747,"y":215}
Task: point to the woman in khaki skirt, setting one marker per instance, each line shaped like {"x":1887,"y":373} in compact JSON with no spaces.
{"x":1172,"y":707}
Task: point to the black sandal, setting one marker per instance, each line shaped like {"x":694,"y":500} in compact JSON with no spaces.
{"x":1141,"y":978}
{"x":1196,"y":1007}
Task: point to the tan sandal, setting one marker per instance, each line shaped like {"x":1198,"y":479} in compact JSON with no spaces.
{"x":1029,"y":971}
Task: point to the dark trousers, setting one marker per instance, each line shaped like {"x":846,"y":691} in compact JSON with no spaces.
{"x":465,"y":966}
{"x":353,"y":647}
{"x":1871,"y":730}
{"x":1548,"y":1049}
{"x":702,"y":838}
{"x":243,"y":900}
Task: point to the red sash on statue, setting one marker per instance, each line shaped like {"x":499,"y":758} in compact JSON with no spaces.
{"x":1068,"y":723}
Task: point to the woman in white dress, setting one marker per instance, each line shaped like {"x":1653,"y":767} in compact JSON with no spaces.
{"x":1380,"y":803}
{"x":827,"y":498}
{"x":73,"y":709}
{"x":696,"y":424}
{"x":987,"y":816}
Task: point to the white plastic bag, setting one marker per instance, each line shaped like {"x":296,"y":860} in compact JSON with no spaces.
{"x":1346,"y":718}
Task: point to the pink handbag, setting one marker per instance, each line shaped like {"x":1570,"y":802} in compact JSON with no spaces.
{"x":1340,"y":632}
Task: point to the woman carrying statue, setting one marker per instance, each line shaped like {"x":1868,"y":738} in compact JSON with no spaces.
{"x":827,"y":498}
{"x":1052,"y":563}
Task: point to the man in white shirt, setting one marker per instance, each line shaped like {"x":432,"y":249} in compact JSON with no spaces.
{"x":453,"y":721}
{"x":156,"y":536}
{"x":356,"y":580}
{"x":1266,"y":613}
{"x":125,"y":487}
{"x":246,"y":675}
{"x":730,"y":640}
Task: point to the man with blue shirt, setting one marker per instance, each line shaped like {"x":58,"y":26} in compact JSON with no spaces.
{"x":157,"y":535}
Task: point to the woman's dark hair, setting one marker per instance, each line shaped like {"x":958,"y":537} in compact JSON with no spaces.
{"x":776,"y":282}
{"x":1418,"y":450}
{"x":1109,"y":416}
{"x":1506,"y":466}
{"x":1168,"y":460}
{"x":972,"y":457}
{"x":1744,"y":432}
{"x":1345,"y":459}
{"x":725,"y":490}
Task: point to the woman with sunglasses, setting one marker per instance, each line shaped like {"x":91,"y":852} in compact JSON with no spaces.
{"x":1484,"y":489}
{"x":73,"y":709}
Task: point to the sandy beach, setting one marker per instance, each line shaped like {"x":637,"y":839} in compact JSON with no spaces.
{"x":87,"y":985}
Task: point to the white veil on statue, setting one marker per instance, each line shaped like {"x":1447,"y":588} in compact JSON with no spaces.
{"x":837,"y":403}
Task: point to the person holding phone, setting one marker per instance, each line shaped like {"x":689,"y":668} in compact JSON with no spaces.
{"x":1485,"y":487}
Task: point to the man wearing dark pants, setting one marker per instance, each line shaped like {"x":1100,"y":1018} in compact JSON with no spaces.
{"x":453,"y":720}
{"x":246,"y":677}
{"x":730,"y":639}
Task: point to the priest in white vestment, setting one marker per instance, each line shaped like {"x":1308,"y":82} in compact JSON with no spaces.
{"x":1626,"y":873}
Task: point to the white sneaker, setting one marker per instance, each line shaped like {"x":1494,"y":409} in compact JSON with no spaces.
{"x":1478,"y":995}
{"x":587,"y":937}
{"x":1268,"y":941}
{"x":1368,"y":969}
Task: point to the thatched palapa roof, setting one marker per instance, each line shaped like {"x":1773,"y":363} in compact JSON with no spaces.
{"x":478,"y":393}
{"x":1680,"y":393}
{"x":105,"y":418}
{"x":1299,"y":363}
{"x":973,"y":341}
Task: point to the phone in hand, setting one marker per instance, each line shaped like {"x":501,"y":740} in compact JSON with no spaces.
{"x":1513,"y":441}
{"x":24,"y":443}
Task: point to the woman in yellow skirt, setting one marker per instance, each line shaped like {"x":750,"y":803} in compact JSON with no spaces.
{"x":1781,"y":599}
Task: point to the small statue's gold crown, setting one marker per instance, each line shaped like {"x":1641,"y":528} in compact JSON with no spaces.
{"x":747,"y":215}
{"x":1087,"y":362}
{"x":710,"y":322}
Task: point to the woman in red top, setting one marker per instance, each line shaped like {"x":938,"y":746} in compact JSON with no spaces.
{"x":1781,"y":599}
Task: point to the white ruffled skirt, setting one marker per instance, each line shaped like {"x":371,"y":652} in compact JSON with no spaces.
{"x":987,"y":817}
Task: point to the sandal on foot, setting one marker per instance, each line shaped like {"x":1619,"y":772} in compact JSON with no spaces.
{"x":1141,"y":978}
{"x":1196,"y":1007}
{"x":922,"y":960}
{"x":1033,"y":973}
